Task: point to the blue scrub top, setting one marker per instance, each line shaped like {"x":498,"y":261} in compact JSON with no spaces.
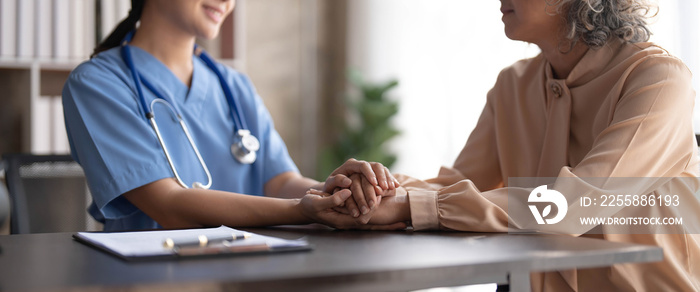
{"x":119,"y":151}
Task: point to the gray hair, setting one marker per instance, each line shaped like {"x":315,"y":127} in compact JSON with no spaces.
{"x":594,"y":22}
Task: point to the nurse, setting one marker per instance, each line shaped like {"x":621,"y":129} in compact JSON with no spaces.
{"x":170,"y":139}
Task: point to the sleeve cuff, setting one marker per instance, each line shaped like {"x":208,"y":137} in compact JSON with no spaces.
{"x":424,"y":210}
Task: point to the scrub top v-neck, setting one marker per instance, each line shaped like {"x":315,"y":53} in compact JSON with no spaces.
{"x":119,"y":151}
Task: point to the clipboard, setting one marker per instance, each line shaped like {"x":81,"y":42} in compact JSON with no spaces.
{"x":149,"y":245}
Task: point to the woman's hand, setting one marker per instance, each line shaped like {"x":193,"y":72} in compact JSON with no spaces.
{"x":360,"y":185}
{"x":393,"y":210}
{"x":385,"y":213}
{"x":364,"y":198}
{"x":318,"y":206}
{"x":362,"y":188}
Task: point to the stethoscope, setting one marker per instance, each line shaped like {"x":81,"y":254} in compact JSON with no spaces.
{"x":245,"y":145}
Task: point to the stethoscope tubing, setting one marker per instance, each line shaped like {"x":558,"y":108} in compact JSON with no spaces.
{"x":154,"y":125}
{"x":150,"y":116}
{"x":247,"y":156}
{"x":236,"y":107}
{"x":126,"y":55}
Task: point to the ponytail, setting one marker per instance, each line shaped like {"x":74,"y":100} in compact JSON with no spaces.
{"x":128,"y":24}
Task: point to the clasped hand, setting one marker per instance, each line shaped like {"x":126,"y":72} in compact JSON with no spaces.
{"x":358,"y":195}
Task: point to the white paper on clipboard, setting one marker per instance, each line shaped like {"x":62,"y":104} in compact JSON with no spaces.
{"x":149,"y":244}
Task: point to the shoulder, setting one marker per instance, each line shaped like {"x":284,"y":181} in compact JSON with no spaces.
{"x":518,"y":77}
{"x":653,"y":79}
{"x":235,"y":77}
{"x":647,"y":60}
{"x":240,"y":83}
{"x":642,"y":50}
{"x":103,"y":62}
{"x":105,"y":76}
{"x":648,"y":63}
{"x":523,"y":70}
{"x":107,"y":66}
{"x":650,"y":54}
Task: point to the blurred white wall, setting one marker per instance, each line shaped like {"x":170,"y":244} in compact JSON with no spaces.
{"x":447,"y":55}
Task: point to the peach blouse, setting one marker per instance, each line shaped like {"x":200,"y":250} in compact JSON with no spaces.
{"x":625,"y":111}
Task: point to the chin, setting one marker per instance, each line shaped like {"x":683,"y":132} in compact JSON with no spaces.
{"x":209,"y":34}
{"x":513,"y":35}
{"x":510,"y":34}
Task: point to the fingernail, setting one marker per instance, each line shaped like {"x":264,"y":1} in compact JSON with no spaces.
{"x":378,"y":190}
{"x":347,"y":181}
{"x":371,"y":204}
{"x":355,"y":213}
{"x":374,"y":180}
{"x":364,"y":210}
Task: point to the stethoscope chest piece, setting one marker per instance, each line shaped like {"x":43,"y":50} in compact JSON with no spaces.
{"x":245,"y":147}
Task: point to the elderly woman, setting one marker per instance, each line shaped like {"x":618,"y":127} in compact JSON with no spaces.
{"x":598,"y":102}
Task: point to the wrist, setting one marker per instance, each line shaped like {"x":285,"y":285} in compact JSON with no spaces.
{"x":404,"y":208}
{"x":300,"y":214}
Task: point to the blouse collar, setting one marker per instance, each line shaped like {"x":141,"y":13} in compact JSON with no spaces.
{"x":590,"y":66}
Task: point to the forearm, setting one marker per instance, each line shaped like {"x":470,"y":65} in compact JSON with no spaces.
{"x":174,"y":207}
{"x":213,"y":208}
{"x":297,"y":187}
{"x":290,"y":185}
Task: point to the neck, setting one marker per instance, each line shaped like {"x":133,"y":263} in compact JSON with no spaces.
{"x":171,"y":46}
{"x":563,"y":62}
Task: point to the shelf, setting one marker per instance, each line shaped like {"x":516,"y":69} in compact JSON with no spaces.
{"x":70,"y":64}
{"x":31,"y":115}
{"x":43,"y":64}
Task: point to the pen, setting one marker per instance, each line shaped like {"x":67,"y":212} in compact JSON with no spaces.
{"x":202,"y":240}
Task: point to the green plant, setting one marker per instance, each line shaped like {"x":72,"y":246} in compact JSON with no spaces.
{"x":365,"y":128}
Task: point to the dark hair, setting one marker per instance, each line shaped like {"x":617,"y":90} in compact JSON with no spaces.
{"x":128,"y":24}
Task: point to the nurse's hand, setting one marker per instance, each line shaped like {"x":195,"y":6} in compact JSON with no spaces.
{"x":378,"y":181}
{"x":318,"y":206}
